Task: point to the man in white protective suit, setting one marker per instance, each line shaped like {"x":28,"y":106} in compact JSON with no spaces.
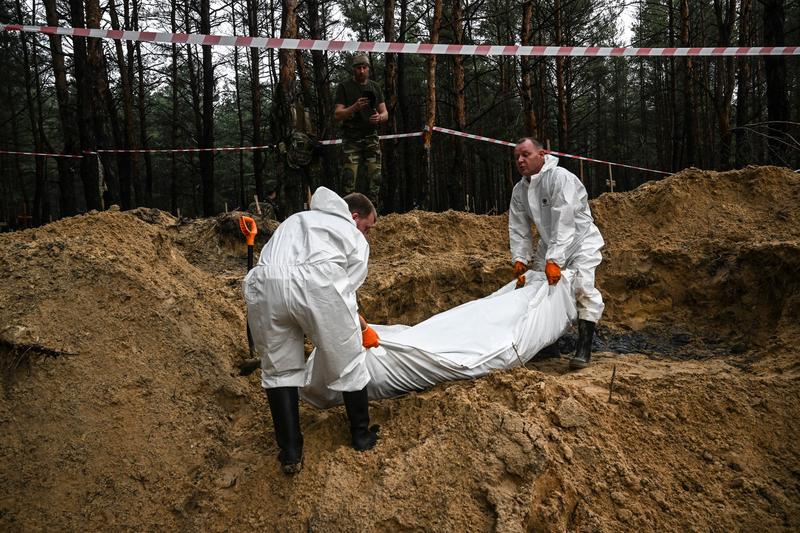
{"x":305,"y":282}
{"x":555,"y":200}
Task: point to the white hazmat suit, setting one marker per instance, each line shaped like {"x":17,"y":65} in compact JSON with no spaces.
{"x":306,"y":281}
{"x":556,"y":202}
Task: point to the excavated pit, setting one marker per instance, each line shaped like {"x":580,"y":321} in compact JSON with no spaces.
{"x":122,"y":407}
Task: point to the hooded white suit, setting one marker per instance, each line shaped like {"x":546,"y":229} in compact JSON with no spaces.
{"x":306,"y":281}
{"x":556,"y":202}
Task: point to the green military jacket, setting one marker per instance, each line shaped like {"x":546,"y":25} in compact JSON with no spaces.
{"x":358,"y":125}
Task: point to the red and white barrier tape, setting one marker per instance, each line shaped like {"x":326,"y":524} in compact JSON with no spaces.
{"x":561,"y":154}
{"x":471,"y":136}
{"x":9,"y":152}
{"x":179,"y":150}
{"x":582,"y":158}
{"x":404,"y":48}
{"x":328,"y":142}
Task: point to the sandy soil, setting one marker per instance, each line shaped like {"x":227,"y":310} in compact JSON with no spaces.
{"x":122,"y":409}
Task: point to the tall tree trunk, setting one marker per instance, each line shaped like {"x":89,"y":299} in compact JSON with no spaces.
{"x":324,"y":102}
{"x":141,"y":93}
{"x":528,"y":113}
{"x":281,"y":114}
{"x":173,"y":186}
{"x":39,"y":183}
{"x":390,"y":147}
{"x":26,"y":205}
{"x":239,"y":117}
{"x":775,"y":71}
{"x":543,"y":116}
{"x":271,"y":51}
{"x":194,"y":87}
{"x":111,"y":196}
{"x":302,"y":77}
{"x":409,"y":188}
{"x":723,"y":87}
{"x":673,"y":90}
{"x":690,"y":135}
{"x":124,"y":159}
{"x":743,"y":150}
{"x":99,"y":84}
{"x":45,"y":212}
{"x":255,"y":97}
{"x":430,"y":105}
{"x":207,"y":139}
{"x":66,"y":168}
{"x":560,"y":85}
{"x":86,"y":130}
{"x":459,"y":188}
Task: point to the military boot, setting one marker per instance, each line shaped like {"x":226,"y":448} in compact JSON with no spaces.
{"x":285,"y":408}
{"x":583,"y":352}
{"x":356,"y":404}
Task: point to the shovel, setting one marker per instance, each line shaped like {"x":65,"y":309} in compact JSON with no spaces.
{"x":249,"y":229}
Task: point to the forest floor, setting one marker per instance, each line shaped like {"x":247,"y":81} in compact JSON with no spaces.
{"x":121,"y":406}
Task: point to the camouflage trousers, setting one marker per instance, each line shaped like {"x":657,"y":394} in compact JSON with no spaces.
{"x":361,"y":167}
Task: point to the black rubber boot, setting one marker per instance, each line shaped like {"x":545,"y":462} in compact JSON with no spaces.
{"x":356,"y":404}
{"x":285,"y":407}
{"x":583,"y":352}
{"x":549,"y":352}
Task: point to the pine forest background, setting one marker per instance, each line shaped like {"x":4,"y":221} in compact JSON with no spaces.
{"x":65,"y":95}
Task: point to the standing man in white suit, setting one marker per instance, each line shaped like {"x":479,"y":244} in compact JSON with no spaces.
{"x":305,"y":282}
{"x":555,"y":200}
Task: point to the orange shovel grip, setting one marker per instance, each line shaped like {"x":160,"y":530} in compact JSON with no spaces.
{"x":249,"y":228}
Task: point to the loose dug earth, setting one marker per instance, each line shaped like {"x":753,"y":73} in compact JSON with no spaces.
{"x":122,"y":408}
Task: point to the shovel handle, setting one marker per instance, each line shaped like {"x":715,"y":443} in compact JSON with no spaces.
{"x":249,"y":228}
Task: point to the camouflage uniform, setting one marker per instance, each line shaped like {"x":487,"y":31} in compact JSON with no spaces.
{"x":364,"y":153}
{"x":296,"y":141}
{"x":361,"y":149}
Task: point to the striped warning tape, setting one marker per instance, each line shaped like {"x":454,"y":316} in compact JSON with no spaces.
{"x":180,"y":150}
{"x":381,"y":137}
{"x":326,"y":142}
{"x":471,"y":136}
{"x":560,"y":154}
{"x":142,"y":151}
{"x":405,"y":48}
{"x":10,"y":152}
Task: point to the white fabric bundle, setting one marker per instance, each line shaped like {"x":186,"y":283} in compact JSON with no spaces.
{"x":502,"y":330}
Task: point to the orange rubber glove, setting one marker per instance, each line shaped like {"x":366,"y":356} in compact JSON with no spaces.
{"x":553,"y":273}
{"x":369,"y":339}
{"x":519,"y":268}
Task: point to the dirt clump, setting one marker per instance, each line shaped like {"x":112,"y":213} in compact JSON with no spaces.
{"x":121,"y":405}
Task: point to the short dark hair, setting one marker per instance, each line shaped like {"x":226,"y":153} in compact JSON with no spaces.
{"x":358,"y":203}
{"x":533,"y":141}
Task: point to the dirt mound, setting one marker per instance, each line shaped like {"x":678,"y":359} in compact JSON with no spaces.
{"x":716,"y":254}
{"x":530,"y":450}
{"x":121,"y":407}
{"x":217,"y":244}
{"x":424,"y":263}
{"x":142,"y":399}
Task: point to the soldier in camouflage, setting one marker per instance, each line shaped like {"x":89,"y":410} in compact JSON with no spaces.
{"x":295,"y":136}
{"x":360,"y":107}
